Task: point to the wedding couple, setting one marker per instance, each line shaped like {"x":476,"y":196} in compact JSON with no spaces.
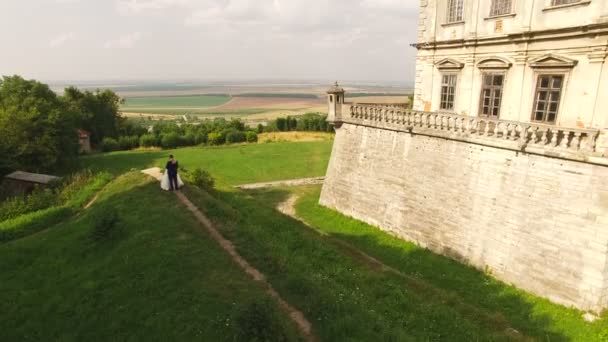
{"x":171,"y":180}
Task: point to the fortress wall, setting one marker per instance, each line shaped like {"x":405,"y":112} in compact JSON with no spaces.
{"x":537,"y":222}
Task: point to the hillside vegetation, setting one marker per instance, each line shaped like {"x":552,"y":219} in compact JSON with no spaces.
{"x":151,"y":275}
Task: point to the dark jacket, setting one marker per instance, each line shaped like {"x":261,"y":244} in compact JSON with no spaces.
{"x":172,"y":168}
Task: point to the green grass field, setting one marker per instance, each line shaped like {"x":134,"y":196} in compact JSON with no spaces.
{"x":231,"y":165}
{"x":160,"y":279}
{"x":173,"y":104}
{"x":164,"y":279}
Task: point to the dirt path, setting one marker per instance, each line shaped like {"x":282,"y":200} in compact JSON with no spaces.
{"x":296,"y":316}
{"x":290,"y":182}
{"x":287,"y":207}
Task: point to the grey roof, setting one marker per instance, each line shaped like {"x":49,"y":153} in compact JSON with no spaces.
{"x":335,"y":89}
{"x":32,"y":177}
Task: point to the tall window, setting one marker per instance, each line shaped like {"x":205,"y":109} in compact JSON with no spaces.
{"x":548,"y":95}
{"x":455,"y":11}
{"x":500,"y":7}
{"x":448,"y":91}
{"x":491,"y":94}
{"x":563,"y":2}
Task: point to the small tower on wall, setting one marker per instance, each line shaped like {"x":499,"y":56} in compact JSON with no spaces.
{"x":335,"y":100}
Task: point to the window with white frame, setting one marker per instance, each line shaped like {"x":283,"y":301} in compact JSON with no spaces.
{"x":455,"y":11}
{"x":500,"y":7}
{"x":563,"y":2}
{"x":448,"y":91}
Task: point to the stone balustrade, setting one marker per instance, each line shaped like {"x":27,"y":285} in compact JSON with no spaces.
{"x":562,"y":142}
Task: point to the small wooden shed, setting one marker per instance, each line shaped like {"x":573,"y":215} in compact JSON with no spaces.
{"x":21,"y":183}
{"x":84,"y":139}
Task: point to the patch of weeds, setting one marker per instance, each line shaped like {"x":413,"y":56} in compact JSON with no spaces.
{"x":107,"y":225}
{"x":260,"y":321}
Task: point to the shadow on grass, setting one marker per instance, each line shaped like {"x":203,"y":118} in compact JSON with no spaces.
{"x":476,"y":296}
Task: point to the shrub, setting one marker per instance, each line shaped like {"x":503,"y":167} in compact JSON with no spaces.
{"x":259,"y":321}
{"x":187,"y":140}
{"x":109,"y":145}
{"x":170,"y":140}
{"x":281,"y":124}
{"x":260,"y":128}
{"x":37,"y":200}
{"x":234,"y":136}
{"x":148,"y":140}
{"x":202,"y":179}
{"x":200,"y":138}
{"x":252,"y":136}
{"x":215,"y":138}
{"x":106,"y":226}
{"x":128,"y":142}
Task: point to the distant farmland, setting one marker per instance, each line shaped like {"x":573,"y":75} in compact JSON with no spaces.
{"x":258,"y":107}
{"x":173,"y":104}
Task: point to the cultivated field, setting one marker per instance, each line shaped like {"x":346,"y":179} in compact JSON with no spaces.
{"x":178,"y":105}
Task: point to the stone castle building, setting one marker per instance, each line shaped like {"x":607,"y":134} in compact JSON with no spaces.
{"x":503,"y":161}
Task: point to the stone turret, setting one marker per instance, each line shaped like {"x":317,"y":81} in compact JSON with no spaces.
{"x":335,"y":100}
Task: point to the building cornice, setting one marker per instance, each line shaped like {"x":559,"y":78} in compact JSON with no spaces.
{"x":591,"y":30}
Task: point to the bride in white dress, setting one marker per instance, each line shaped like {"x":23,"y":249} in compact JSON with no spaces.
{"x":164,"y":182}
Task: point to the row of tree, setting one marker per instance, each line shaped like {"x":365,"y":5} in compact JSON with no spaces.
{"x":38,"y":127}
{"x":311,"y":122}
{"x":171,"y":135}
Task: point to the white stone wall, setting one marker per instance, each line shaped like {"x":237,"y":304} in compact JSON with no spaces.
{"x":537,"y":222}
{"x":534,"y":30}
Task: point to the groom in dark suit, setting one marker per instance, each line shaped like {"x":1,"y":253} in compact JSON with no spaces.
{"x":172,"y":166}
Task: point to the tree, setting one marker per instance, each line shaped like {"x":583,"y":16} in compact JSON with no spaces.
{"x":97,"y":112}
{"x":37,"y":131}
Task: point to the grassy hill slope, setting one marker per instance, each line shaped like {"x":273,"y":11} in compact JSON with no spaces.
{"x":159,"y":277}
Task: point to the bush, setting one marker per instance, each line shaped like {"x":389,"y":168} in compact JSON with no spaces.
{"x":202,"y":179}
{"x":187,"y":140}
{"x":148,"y":140}
{"x":260,"y":128}
{"x":170,"y":140}
{"x":37,"y":200}
{"x":234,"y":136}
{"x":200,"y":138}
{"x":106,"y":226}
{"x":128,"y":142}
{"x":215,"y":138}
{"x":109,"y":145}
{"x":259,"y":321}
{"x":252,"y":136}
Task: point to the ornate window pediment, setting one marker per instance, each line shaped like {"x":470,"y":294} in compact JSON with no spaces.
{"x":449,"y":64}
{"x":553,"y":61}
{"x":494,"y":63}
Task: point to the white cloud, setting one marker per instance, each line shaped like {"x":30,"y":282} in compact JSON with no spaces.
{"x":123,"y":42}
{"x":62,"y":39}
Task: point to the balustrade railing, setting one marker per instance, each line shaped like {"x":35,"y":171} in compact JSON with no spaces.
{"x":528,"y":135}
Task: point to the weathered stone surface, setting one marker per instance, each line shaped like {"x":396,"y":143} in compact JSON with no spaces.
{"x":534,"y":221}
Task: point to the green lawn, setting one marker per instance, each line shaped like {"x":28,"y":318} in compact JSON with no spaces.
{"x":471,"y":293}
{"x":160,"y":279}
{"x":166,"y":280}
{"x":230,"y":165}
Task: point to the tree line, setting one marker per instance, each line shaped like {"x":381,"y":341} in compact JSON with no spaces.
{"x":38,"y":127}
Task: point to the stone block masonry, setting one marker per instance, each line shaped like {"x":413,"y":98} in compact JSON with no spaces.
{"x":538,"y":222}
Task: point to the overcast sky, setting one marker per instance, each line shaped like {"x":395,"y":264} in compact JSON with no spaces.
{"x":208,"y":39}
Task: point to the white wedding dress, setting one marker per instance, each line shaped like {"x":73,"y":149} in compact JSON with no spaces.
{"x":164,"y":182}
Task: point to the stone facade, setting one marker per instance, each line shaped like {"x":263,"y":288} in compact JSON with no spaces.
{"x":531,"y":39}
{"x":537,"y":222}
{"x":472,"y":172}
